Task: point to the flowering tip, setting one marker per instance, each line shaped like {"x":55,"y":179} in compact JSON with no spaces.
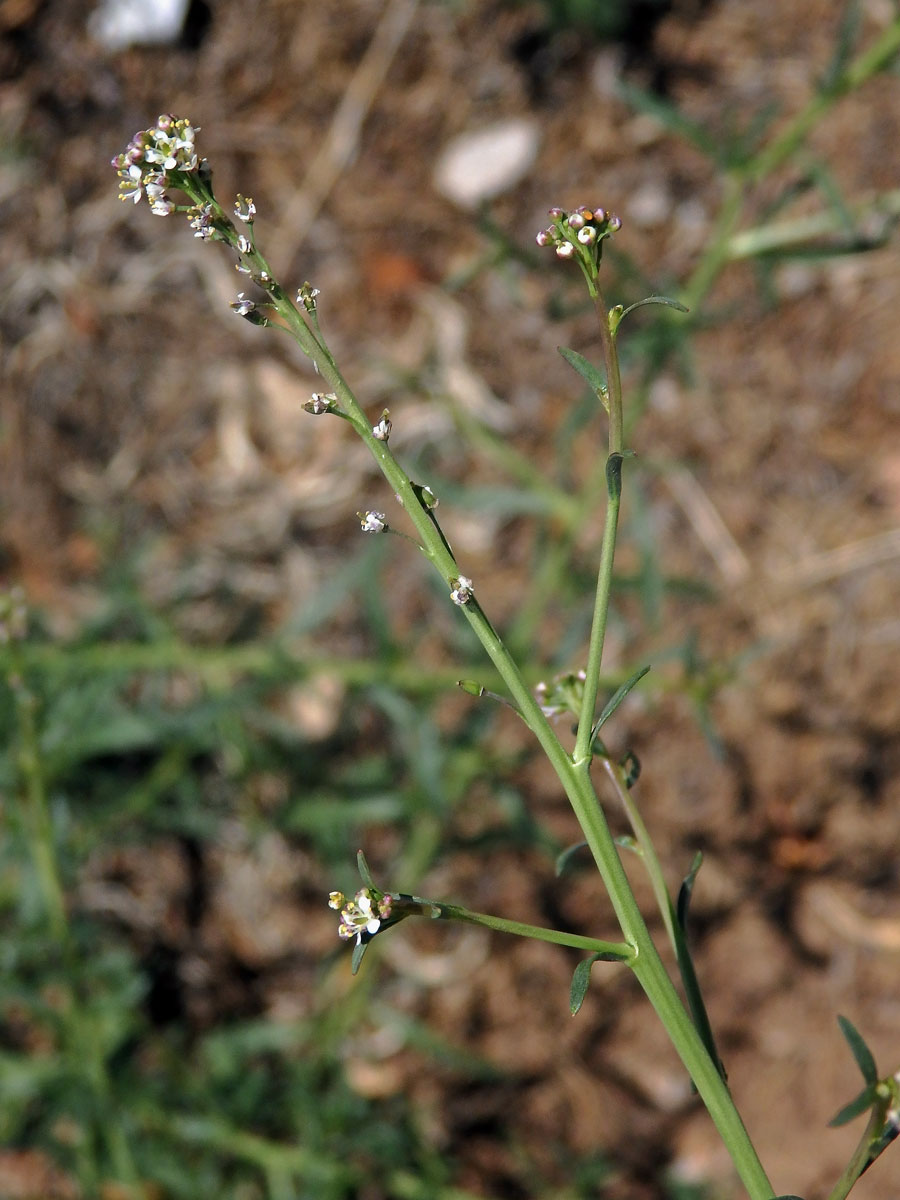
{"x":579,"y":233}
{"x":361,"y":917}
{"x":152,"y":157}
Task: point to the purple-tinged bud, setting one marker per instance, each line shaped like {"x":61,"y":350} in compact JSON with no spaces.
{"x":614,"y":224}
{"x":565,"y":250}
{"x":575,"y":220}
{"x":555,"y":213}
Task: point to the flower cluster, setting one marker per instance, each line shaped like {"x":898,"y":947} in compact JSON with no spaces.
{"x":562,"y":695}
{"x":580,"y":232}
{"x":361,"y":917}
{"x":154,"y":159}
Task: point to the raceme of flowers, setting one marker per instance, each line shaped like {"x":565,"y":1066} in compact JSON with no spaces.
{"x":579,"y":232}
{"x":153,"y":160}
{"x":361,"y":917}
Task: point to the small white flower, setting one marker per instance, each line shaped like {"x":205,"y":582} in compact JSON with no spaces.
{"x":361,"y":915}
{"x":307,"y":297}
{"x":461,"y":590}
{"x":244,"y":209}
{"x":243,"y":306}
{"x":372,"y":522}
{"x":382,"y":431}
{"x":565,"y":249}
{"x":162,"y":206}
{"x":244,"y":244}
{"x":320,"y":402}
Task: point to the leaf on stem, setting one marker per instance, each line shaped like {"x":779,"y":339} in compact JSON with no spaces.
{"x":666,"y":300}
{"x":357,"y":957}
{"x":564,"y":858}
{"x":616,"y":699}
{"x":686,"y":891}
{"x":861,"y":1052}
{"x":582,"y":977}
{"x":364,"y":873}
{"x":860,"y":1104}
{"x":672,"y":119}
{"x":595,"y":379}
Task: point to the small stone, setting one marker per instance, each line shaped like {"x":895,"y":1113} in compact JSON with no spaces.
{"x":483,"y":163}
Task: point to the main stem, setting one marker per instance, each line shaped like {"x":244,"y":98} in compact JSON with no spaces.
{"x":572,"y":771}
{"x":608,"y":552}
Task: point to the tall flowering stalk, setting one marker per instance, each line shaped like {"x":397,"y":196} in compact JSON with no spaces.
{"x":163,"y":160}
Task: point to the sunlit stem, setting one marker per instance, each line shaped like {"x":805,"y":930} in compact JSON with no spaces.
{"x":607,"y":554}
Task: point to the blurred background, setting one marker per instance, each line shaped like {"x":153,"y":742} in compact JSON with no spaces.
{"x":225,"y":690}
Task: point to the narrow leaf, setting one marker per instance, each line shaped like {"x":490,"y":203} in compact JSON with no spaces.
{"x":671,"y":119}
{"x":616,"y":699}
{"x":588,"y":372}
{"x":859,"y":1049}
{"x":860,"y":1104}
{"x":582,"y":977}
{"x":363,"y":867}
{"x":580,"y":981}
{"x":563,"y":859}
{"x":358,"y":952}
{"x":847,"y":37}
{"x":666,"y":300}
{"x":686,"y":890}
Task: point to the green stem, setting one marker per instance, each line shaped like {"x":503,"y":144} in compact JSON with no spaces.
{"x":775,"y":153}
{"x":584,"y":736}
{"x":620,"y":951}
{"x":574,"y":776}
{"x":676,"y":934}
{"x":658,"y":987}
{"x":36,"y":813}
{"x":861,"y":1155}
{"x":858,"y":72}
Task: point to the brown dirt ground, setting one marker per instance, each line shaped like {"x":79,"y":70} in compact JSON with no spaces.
{"x":128,"y":391}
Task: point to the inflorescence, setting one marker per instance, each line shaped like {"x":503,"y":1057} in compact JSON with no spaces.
{"x":579,"y":233}
{"x":361,"y":917}
{"x":155,"y":159}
